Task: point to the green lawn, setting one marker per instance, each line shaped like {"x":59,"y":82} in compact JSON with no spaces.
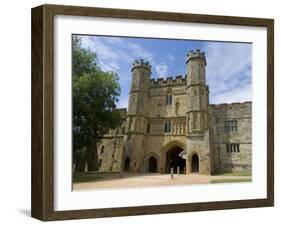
{"x":215,"y":181}
{"x":93,"y":176}
{"x":238,"y":173}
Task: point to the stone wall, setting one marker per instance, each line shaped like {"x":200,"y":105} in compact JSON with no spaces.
{"x":156,"y":140}
{"x":110,"y":147}
{"x":224,"y":158}
{"x":202,"y":130}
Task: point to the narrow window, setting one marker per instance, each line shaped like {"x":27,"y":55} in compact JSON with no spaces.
{"x":100,"y":162}
{"x":227,"y":147}
{"x":168,"y":126}
{"x":102,"y":149}
{"x":123,"y":130}
{"x":148,"y":128}
{"x":169,"y":99}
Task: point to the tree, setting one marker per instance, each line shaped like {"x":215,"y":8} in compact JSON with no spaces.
{"x":95,"y":93}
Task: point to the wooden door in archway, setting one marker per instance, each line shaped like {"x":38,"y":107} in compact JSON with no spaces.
{"x":194,"y":163}
{"x":127,"y":165}
{"x":152,"y":165}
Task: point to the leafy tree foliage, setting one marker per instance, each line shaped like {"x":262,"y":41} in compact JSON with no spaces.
{"x":95,"y":93}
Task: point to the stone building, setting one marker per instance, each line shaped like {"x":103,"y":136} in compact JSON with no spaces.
{"x":170,"y":124}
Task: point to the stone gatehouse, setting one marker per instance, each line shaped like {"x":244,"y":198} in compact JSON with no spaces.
{"x":170,"y":123}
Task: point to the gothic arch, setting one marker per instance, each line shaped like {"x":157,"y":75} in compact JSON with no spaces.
{"x":190,"y":160}
{"x":171,"y":144}
{"x":168,"y":146}
{"x":148,"y":156}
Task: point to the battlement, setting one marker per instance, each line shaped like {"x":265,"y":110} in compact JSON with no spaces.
{"x":229,"y":105}
{"x":169,"y":81}
{"x":195,"y":54}
{"x":141,"y":63}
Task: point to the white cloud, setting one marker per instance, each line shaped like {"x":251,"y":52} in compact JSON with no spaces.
{"x":229,"y":71}
{"x":111,"y":51}
{"x":107,"y":57}
{"x":240,"y":94}
{"x":162,"y":70}
{"x":136,"y":51}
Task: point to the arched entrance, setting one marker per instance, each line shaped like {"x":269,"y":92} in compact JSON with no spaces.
{"x":194,"y":163}
{"x":152,"y":165}
{"x":127,"y":164}
{"x":174,"y":160}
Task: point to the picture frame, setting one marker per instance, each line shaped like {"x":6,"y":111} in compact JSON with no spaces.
{"x":43,"y":32}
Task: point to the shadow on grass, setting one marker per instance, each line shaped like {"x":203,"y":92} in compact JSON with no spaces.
{"x":237,"y":173}
{"x":216,"y":181}
{"x":88,"y":177}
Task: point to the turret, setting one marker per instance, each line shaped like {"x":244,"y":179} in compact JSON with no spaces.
{"x":141,"y":71}
{"x":197,"y":95}
{"x":195,"y":66}
{"x":137,"y":115}
{"x":197,"y":92}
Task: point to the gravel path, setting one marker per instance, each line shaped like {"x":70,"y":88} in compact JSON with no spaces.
{"x":152,"y":180}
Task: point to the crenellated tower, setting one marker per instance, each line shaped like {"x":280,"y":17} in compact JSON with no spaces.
{"x":137,"y":114}
{"x":197,"y":94}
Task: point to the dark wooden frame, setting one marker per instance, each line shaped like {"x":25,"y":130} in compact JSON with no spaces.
{"x":43,"y":120}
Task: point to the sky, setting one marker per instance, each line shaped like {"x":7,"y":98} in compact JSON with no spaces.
{"x":228,"y":70}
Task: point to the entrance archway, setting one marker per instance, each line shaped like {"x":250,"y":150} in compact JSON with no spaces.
{"x":194,"y":163}
{"x":174,"y":160}
{"x":152,"y":165}
{"x":127,"y":164}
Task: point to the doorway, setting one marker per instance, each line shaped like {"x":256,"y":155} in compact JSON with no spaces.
{"x":152,"y":165}
{"x":194,"y":163}
{"x":173,"y":160}
{"x":127,"y":165}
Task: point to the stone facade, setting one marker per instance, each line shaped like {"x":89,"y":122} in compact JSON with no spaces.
{"x":170,"y":124}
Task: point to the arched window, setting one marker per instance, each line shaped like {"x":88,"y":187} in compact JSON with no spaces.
{"x":102,"y":149}
{"x":100,"y":162}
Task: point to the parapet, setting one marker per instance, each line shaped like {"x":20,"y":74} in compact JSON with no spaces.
{"x":141,"y":63}
{"x":196,"y":54}
{"x":169,"y":81}
{"x":230,"y":105}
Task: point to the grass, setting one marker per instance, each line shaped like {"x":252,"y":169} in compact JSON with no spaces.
{"x":236,"y":173}
{"x":215,"y":181}
{"x":93,"y":176}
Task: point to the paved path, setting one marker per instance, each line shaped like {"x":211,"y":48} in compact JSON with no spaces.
{"x":152,"y":180}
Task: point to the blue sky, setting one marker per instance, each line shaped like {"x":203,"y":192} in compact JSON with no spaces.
{"x":228,"y":71}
